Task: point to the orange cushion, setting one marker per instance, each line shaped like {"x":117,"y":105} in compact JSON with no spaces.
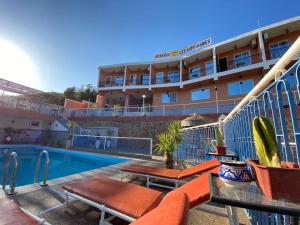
{"x":11,"y":214}
{"x":130,"y":199}
{"x":200,"y":168}
{"x":173,"y":210}
{"x":155,"y":171}
{"x":197,"y":190}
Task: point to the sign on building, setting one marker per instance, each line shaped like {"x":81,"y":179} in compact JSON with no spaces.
{"x":183,"y":51}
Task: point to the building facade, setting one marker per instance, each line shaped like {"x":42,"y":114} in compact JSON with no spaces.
{"x":210,"y":80}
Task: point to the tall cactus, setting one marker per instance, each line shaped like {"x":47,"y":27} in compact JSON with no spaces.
{"x":265,"y":142}
{"x":219,"y":138}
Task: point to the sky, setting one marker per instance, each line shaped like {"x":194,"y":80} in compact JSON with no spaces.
{"x":61,"y":43}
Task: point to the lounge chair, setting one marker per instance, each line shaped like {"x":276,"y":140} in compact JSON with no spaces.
{"x":130,"y":201}
{"x":169,"y":175}
{"x":12,"y":214}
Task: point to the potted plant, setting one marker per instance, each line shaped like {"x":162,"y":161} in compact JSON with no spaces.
{"x":276,"y":179}
{"x":174,"y":129}
{"x":219,"y":146}
{"x":166,"y":145}
{"x":97,"y":144}
{"x":7,"y":139}
{"x":71,"y":126}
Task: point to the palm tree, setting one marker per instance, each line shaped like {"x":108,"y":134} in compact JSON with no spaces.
{"x":175,"y":130}
{"x":167,"y":146}
{"x":169,"y":141}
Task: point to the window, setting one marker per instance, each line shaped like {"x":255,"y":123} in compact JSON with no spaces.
{"x":160,"y":77}
{"x":108,"y":81}
{"x":119,"y":80}
{"x":278,"y":49}
{"x":35,"y":123}
{"x":145,"y":79}
{"x":209,"y":67}
{"x":133,"y":79}
{"x":173,"y":76}
{"x":239,"y":88}
{"x":168,"y":98}
{"x":195,"y":72}
{"x":242,"y":59}
{"x":200,"y":94}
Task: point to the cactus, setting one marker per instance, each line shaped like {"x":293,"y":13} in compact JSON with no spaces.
{"x":219,"y":137}
{"x":265,"y":142}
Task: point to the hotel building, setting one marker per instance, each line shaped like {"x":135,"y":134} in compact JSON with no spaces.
{"x":206,"y":80}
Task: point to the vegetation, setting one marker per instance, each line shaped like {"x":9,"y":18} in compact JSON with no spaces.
{"x":168,"y":142}
{"x":265,"y":142}
{"x":87,"y":92}
{"x":71,"y":125}
{"x":219,"y":138}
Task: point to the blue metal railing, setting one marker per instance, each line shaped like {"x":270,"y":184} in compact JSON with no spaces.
{"x":278,"y":99}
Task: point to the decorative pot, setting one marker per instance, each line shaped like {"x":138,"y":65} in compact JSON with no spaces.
{"x":234,"y":173}
{"x":220,"y":150}
{"x":278,"y":183}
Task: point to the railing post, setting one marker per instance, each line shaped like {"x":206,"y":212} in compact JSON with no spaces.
{"x":164,"y":110}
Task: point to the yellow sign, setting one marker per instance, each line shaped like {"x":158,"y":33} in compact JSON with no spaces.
{"x":185,"y":50}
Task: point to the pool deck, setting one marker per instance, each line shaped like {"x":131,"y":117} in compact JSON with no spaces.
{"x":35,"y":199}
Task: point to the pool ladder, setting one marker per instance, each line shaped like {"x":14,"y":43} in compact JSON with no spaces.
{"x":37,"y":168}
{"x":11,"y":156}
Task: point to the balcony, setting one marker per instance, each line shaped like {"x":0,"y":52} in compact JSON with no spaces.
{"x":239,"y":62}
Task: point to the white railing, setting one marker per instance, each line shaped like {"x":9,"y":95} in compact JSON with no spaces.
{"x":209,"y":107}
{"x":112,"y":144}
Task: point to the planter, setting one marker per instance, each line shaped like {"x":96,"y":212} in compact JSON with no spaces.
{"x":220,"y":150}
{"x":278,"y":183}
{"x":234,"y":174}
{"x":169,"y":161}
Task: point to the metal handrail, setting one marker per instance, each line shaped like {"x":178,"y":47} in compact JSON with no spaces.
{"x":14,"y":156}
{"x":37,"y":168}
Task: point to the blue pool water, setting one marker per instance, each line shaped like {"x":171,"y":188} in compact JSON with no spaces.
{"x":62,"y":162}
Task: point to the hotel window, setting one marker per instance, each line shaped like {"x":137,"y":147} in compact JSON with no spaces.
{"x":168,"y":98}
{"x":209,"y":67}
{"x":242,"y":59}
{"x":119,"y":80}
{"x":195,"y":72}
{"x":173,"y":76}
{"x":108,"y":81}
{"x":278,"y":49}
{"x":145,"y":79}
{"x":200,"y":94}
{"x":160,"y":77}
{"x":239,"y":88}
{"x":133,"y":79}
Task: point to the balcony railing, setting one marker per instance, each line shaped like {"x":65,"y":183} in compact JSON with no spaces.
{"x":277,"y":52}
{"x":241,"y":62}
{"x":42,"y":108}
{"x":274,"y":97}
{"x":210,"y":107}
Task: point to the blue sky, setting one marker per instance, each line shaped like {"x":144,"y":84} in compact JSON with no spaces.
{"x":68,"y":39}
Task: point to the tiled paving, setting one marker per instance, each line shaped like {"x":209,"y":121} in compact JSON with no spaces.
{"x":35,"y":200}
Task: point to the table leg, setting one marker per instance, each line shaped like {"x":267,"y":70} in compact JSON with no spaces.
{"x":232,"y":215}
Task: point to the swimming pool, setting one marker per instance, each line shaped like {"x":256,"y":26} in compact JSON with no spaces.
{"x":62,"y":162}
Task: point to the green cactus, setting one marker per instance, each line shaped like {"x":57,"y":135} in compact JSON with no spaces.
{"x":219,"y":137}
{"x":265,"y":142}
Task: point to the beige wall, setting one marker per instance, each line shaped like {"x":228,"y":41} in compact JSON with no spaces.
{"x":20,"y":123}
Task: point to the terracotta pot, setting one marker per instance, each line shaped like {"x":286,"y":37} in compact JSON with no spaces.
{"x":278,"y":183}
{"x":220,"y":150}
